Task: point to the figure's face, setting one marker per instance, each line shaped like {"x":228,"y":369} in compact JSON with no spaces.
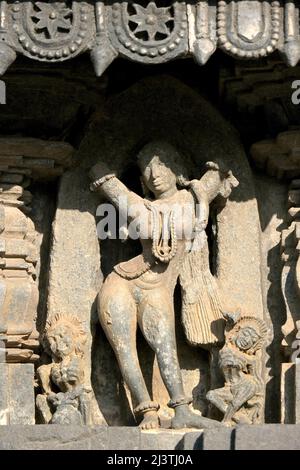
{"x":158,"y":177}
{"x":61,"y":342}
{"x":246,"y":338}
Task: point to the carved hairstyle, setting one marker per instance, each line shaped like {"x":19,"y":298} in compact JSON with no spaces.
{"x":169,"y":155}
{"x":73,"y":324}
{"x":256,"y":325}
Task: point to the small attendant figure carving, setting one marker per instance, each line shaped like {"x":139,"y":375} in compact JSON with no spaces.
{"x":64,"y":400}
{"x":139,"y":292}
{"x":242,"y":397}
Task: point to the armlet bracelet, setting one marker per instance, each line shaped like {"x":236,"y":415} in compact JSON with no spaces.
{"x":99,"y":182}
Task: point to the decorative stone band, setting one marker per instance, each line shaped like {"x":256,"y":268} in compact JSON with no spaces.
{"x":57,"y":31}
{"x":95,"y":185}
{"x":180,"y":401}
{"x":146,"y":406}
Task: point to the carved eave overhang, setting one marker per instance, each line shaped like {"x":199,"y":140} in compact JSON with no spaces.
{"x":147,"y":32}
{"x":33,"y":158}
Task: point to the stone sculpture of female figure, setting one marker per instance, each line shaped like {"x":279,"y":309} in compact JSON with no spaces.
{"x":139,"y":292}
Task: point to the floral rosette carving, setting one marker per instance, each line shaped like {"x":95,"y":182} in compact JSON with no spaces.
{"x":149,"y":32}
{"x":53,"y":31}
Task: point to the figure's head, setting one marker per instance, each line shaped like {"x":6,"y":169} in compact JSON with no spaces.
{"x":161,"y":168}
{"x":64,"y":336}
{"x":246,"y":338}
{"x":247,"y":333}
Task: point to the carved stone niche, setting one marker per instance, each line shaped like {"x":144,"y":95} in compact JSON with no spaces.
{"x":79,"y":262}
{"x":147,"y":31}
{"x":280,"y":158}
{"x":23,"y":229}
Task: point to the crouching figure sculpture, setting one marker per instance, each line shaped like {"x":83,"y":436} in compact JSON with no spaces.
{"x":64,"y":398}
{"x":242,"y":397}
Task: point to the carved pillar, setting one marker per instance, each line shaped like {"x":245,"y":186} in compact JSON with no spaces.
{"x":280,"y":158}
{"x":21,"y":160}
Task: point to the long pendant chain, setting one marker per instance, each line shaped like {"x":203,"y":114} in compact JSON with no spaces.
{"x":164,"y":239}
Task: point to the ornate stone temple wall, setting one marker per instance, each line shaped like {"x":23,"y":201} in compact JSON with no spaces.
{"x":144,"y":336}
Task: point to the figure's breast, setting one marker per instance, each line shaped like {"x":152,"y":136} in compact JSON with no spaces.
{"x":231,"y":359}
{"x":174,"y":217}
{"x":60,"y":376}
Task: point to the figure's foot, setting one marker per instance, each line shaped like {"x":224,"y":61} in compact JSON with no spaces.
{"x":228,"y":424}
{"x":240,"y":418}
{"x":186,"y":418}
{"x":150,"y":420}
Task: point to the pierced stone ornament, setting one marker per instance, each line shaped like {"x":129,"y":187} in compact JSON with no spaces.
{"x":53,"y":30}
{"x":149,"y":33}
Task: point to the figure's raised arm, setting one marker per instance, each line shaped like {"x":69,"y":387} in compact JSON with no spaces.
{"x":217,"y":181}
{"x":105,"y":180}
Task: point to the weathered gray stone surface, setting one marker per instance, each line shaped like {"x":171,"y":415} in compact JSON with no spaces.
{"x":297,"y":392}
{"x":162,"y":439}
{"x":221,"y":439}
{"x":4,"y":390}
{"x":287,"y":390}
{"x":210,"y":439}
{"x":272,"y":212}
{"x":121,"y":438}
{"x":55,"y":437}
{"x":17,"y":404}
{"x":74,"y":277}
{"x":268,"y":437}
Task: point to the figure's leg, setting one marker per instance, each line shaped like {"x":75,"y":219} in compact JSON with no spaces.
{"x":118,"y":317}
{"x":216,"y":377}
{"x":220,"y":398}
{"x":241,"y":395}
{"x":43,"y":408}
{"x":157,"y":322}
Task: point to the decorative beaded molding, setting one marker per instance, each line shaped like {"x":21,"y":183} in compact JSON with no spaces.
{"x":150,"y":32}
{"x":248,"y":29}
{"x":53,"y":31}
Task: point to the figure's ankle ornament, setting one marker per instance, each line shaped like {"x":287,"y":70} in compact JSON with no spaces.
{"x":180,"y":401}
{"x":146,"y":406}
